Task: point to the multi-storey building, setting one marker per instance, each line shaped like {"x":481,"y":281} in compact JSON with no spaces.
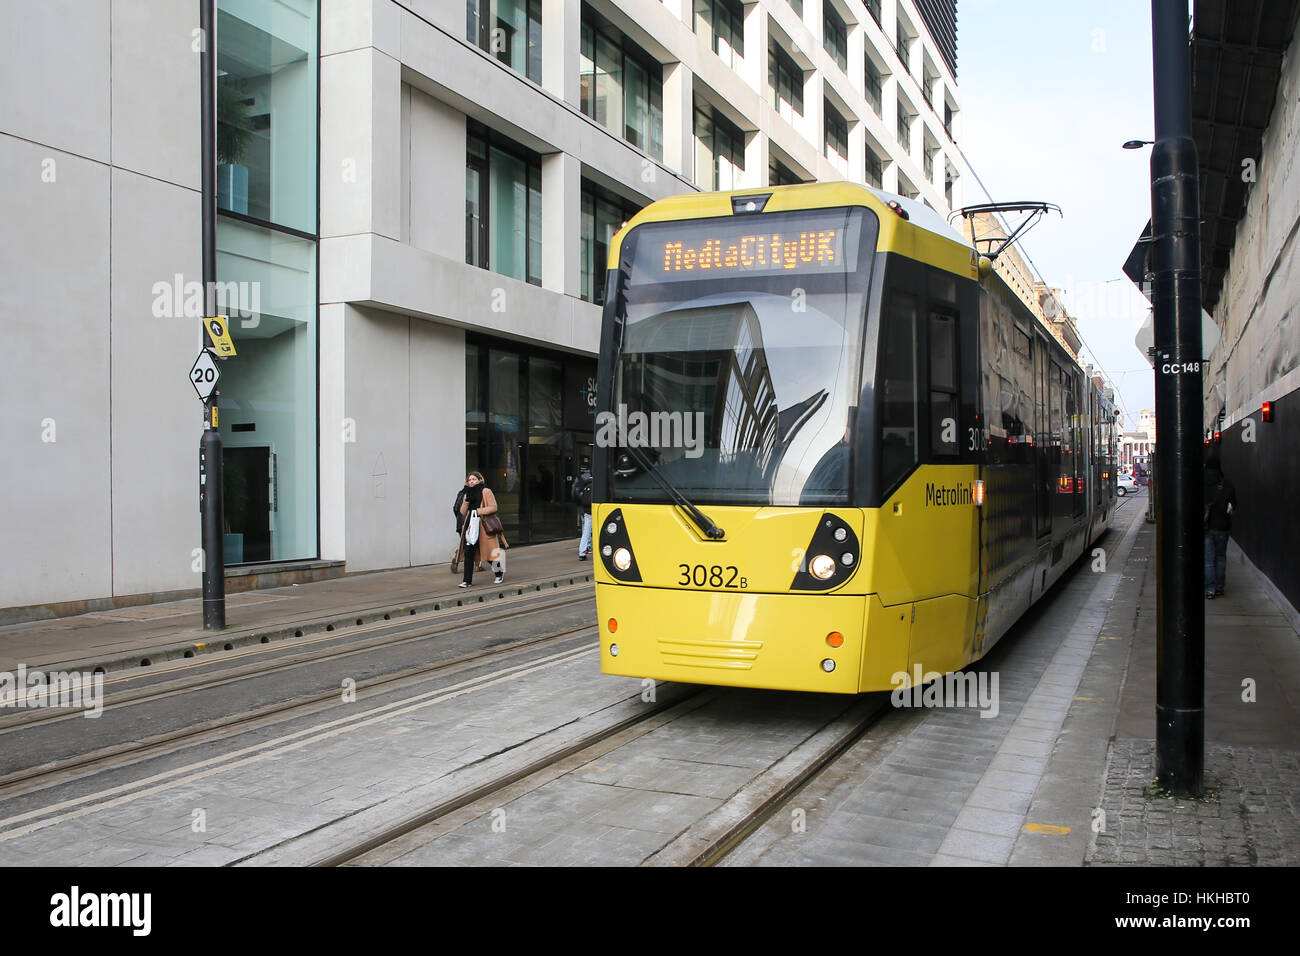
{"x":416,"y":199}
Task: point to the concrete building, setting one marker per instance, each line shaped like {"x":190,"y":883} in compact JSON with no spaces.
{"x":1140,"y":443}
{"x":415,"y":202}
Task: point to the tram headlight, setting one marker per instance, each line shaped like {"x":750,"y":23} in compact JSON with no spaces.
{"x":822,"y":567}
{"x":830,"y":558}
{"x":615,"y":545}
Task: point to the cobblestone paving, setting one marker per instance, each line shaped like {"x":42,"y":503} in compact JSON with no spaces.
{"x":1250,"y":815}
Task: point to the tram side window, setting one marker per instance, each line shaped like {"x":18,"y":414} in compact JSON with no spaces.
{"x":897,"y":388}
{"x":945,"y":423}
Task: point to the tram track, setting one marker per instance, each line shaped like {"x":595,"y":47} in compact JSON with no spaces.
{"x":704,"y":843}
{"x":125,"y":754}
{"x":159,"y":687}
{"x":519,"y":780}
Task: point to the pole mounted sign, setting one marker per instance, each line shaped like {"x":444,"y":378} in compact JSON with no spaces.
{"x":218,"y":331}
{"x":204,"y":374}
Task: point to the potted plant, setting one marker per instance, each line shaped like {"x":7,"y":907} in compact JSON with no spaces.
{"x":234,"y":133}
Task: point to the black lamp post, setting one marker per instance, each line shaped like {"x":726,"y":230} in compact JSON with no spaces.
{"x":1176,"y":305}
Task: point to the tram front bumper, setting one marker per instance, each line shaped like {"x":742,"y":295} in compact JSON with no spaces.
{"x":777,"y":641}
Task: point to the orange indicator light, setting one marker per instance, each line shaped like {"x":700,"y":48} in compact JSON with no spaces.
{"x":978,"y":492}
{"x":613,"y":626}
{"x":835,"y":639}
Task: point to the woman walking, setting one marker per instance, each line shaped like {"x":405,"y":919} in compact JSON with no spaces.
{"x":489,"y":542}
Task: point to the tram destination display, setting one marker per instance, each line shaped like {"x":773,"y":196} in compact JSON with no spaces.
{"x":816,"y":242}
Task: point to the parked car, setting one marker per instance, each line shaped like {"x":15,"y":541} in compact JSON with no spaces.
{"x":1125,"y":484}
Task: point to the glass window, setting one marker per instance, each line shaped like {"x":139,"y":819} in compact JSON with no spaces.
{"x":475,"y":202}
{"x":786,"y":80}
{"x":587,"y":70}
{"x":609,"y":83}
{"x":620,"y":87}
{"x":837,"y":133}
{"x":873,"y":8}
{"x":550,"y":512}
{"x":875,"y":169}
{"x":901,"y":42}
{"x":724,"y":22}
{"x":835,"y":36}
{"x":719,"y":151}
{"x":898,"y":393}
{"x":766,"y":398}
{"x":503,"y":209}
{"x":874,"y":82}
{"x":603,"y":214}
{"x":511,"y":30}
{"x":503,"y":436}
{"x":268,"y":396}
{"x":507,"y":214}
{"x":944,"y":414}
{"x":778,"y":174}
{"x":904,"y":127}
{"x":266,"y":111}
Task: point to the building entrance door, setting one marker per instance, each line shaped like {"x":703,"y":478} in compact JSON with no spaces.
{"x":527,"y":429}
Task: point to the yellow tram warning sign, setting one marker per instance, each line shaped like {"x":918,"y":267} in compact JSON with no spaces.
{"x":217,"y":329}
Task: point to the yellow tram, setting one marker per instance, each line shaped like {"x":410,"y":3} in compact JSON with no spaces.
{"x":832,"y":446}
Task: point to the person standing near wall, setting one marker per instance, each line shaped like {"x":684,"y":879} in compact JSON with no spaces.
{"x":1220,"y":502}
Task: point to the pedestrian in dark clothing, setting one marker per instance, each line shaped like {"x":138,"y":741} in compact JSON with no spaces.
{"x":1220,"y":502}
{"x":582,"y":495}
{"x":459,"y":554}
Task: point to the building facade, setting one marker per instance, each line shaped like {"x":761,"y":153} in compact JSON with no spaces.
{"x":1139,"y":444}
{"x":415,"y":203}
{"x":1250,"y":255}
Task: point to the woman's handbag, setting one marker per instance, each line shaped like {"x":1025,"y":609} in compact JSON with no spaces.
{"x":471,"y":528}
{"x":491,"y":524}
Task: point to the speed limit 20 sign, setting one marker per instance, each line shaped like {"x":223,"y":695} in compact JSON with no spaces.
{"x":204,"y":374}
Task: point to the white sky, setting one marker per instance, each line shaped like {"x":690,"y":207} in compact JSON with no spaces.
{"x":1049,"y":90}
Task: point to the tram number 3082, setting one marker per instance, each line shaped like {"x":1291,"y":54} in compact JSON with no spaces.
{"x":715,"y":577}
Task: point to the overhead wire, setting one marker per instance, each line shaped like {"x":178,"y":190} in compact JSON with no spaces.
{"x":1025,"y":252}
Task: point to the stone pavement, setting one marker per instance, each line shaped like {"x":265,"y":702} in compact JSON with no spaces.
{"x":122,"y":637}
{"x":1062,"y":776}
{"x":1250,"y":814}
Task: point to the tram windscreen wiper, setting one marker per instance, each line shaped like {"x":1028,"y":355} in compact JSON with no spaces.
{"x":702,"y":521}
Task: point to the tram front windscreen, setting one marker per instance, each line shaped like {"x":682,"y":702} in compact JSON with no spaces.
{"x":737,"y":367}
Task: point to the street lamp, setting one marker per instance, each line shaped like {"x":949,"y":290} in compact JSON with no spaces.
{"x":1138,"y":143}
